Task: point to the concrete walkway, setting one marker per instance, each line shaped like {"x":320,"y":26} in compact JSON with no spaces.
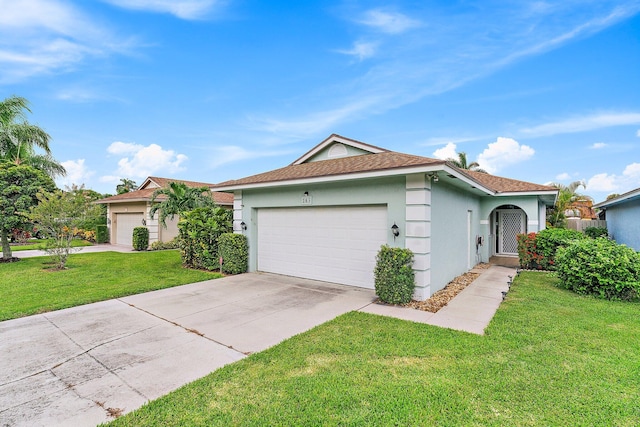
{"x":84,"y":365}
{"x":83,"y":250}
{"x":471,"y":310}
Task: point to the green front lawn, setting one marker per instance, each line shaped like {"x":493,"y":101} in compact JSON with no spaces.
{"x":549,"y":357}
{"x":40,"y":244}
{"x":28,"y":287}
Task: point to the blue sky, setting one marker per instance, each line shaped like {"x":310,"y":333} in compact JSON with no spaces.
{"x":207,"y":90}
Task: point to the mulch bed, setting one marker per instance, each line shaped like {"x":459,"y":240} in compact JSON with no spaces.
{"x":453,"y":288}
{"x":12,"y":259}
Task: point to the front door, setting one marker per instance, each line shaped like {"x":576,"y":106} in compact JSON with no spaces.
{"x":511,"y":222}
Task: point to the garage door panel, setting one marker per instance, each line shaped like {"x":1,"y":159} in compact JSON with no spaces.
{"x":336,"y":244}
{"x":125,"y":223}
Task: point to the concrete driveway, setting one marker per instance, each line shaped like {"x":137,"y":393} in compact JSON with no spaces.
{"x":84,"y":365}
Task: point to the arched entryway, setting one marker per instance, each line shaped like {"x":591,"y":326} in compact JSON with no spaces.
{"x":507,"y":221}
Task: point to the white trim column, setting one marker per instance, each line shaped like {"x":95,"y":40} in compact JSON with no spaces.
{"x":237,"y":212}
{"x":418,"y":233}
{"x":153,"y":225}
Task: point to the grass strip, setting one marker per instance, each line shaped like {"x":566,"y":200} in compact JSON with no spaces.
{"x":29,"y":286}
{"x":549,"y":357}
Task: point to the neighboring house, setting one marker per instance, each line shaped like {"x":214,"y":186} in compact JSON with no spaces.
{"x":326,"y":215}
{"x":129,"y":210}
{"x":622,"y":214}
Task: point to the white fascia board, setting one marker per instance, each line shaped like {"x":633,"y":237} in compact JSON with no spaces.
{"x":620,"y":199}
{"x":333,"y":139}
{"x":453,"y":172}
{"x":356,"y":176}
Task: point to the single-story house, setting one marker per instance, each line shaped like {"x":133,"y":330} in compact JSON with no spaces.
{"x":326,"y":215}
{"x":622,"y":214}
{"x":129,"y":210}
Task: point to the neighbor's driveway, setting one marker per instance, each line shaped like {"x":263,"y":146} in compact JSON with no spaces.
{"x":77,"y":366}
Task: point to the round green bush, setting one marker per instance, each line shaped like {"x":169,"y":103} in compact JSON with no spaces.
{"x":234,"y":250}
{"x":140,"y":238}
{"x":394,"y":275}
{"x":600,"y":267}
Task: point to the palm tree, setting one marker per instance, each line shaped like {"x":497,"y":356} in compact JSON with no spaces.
{"x":126,"y":185}
{"x":19,"y":139}
{"x":461,"y":163}
{"x":179,"y":198}
{"x":567,"y":194}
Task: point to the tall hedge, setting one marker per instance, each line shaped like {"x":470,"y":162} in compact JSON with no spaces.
{"x":600,"y":267}
{"x":140,"y":238}
{"x":234,"y":251}
{"x":394,"y":275}
{"x":102,"y":233}
{"x":199,"y":233}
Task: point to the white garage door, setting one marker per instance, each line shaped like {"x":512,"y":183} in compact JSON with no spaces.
{"x":333,"y":244}
{"x":125,"y":223}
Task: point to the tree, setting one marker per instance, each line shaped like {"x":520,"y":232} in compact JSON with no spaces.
{"x":179,"y":198}
{"x":58,"y":214}
{"x":461,"y":163}
{"x":567,"y":194}
{"x":19,"y":185}
{"x":126,"y":185}
{"x":19,"y":139}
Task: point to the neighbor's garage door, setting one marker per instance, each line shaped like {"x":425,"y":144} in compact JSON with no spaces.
{"x":333,"y":244}
{"x":125,"y":222}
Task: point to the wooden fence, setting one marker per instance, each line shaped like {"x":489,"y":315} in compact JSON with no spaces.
{"x":581,"y":224}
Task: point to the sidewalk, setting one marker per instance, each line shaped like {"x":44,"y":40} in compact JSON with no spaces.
{"x":83,"y":250}
{"x":471,"y":310}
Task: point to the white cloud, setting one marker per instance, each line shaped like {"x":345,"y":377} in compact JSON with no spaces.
{"x":632,"y":171}
{"x":446,"y":152}
{"x":43,"y":36}
{"x":598,"y":145}
{"x":361,"y":50}
{"x":563,"y":176}
{"x":503,"y":152}
{"x":388,"y":22}
{"x":184,"y":9}
{"x":583,"y":124}
{"x":602,"y":182}
{"x":142,"y":161}
{"x":628,"y":180}
{"x":77,"y":173}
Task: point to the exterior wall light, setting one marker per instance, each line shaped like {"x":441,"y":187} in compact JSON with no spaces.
{"x":395,"y":230}
{"x":144,"y":221}
{"x":306,"y":194}
{"x":433,"y":176}
{"x":243,"y":226}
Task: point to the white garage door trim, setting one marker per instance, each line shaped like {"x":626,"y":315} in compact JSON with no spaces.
{"x":125,"y":223}
{"x":333,"y":244}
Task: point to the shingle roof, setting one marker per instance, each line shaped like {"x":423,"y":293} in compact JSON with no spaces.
{"x":505,"y":185}
{"x":387,"y":160}
{"x":345,"y":165}
{"x":147,"y":193}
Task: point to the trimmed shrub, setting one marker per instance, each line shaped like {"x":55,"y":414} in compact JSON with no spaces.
{"x":160,"y":246}
{"x":140,"y":238}
{"x":600,"y":267}
{"x":528,"y":252}
{"x":199,"y":232}
{"x":538,"y":251}
{"x":394,"y":275}
{"x":595,"y":232}
{"x":234,"y":251}
{"x":102,"y":233}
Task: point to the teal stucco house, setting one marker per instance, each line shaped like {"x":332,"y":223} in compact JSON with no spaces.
{"x":326,"y":215}
{"x":623,"y":218}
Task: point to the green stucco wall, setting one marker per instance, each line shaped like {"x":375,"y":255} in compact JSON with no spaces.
{"x":449,"y":233}
{"x":390,"y":192}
